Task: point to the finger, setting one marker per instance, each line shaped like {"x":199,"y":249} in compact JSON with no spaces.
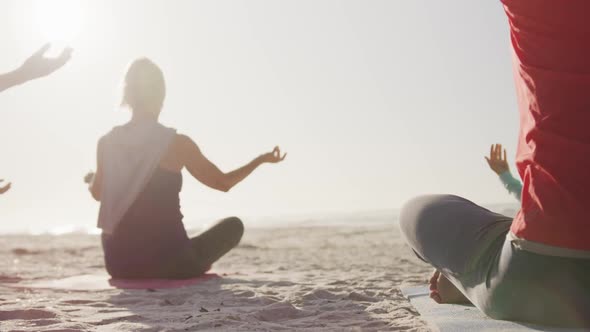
{"x":42,"y":50}
{"x":505,"y":158}
{"x":498,"y":152}
{"x":489,"y":161}
{"x":66,"y":54}
{"x":5,"y":188}
{"x":284,"y":156}
{"x":61,"y":60}
{"x":434,"y":278}
{"x":492,"y":151}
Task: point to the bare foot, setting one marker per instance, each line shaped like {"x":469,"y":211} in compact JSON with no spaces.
{"x":443,"y":291}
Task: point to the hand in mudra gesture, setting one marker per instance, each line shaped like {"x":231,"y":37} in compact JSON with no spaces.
{"x":497,"y":159}
{"x":274,"y":156}
{"x":4,"y":188}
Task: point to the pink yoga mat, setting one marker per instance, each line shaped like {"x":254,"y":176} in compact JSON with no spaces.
{"x":103,"y":281}
{"x":159,"y":283}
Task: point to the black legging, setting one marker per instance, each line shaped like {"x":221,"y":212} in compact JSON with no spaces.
{"x":206,"y":249}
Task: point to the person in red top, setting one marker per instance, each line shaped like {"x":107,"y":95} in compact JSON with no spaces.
{"x":535,"y":268}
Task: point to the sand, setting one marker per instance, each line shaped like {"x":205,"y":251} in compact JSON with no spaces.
{"x":293,"y":279}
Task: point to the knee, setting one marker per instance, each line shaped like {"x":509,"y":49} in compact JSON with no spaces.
{"x":420,"y":211}
{"x":235,"y":228}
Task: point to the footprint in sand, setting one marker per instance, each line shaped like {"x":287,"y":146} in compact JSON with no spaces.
{"x":87,"y":303}
{"x":45,"y":322}
{"x":9,"y":279}
{"x":246,"y":293}
{"x":23,"y":251}
{"x":281,"y":311}
{"x":361,"y":297}
{"x":28,"y":314}
{"x":77,"y":302}
{"x":320,"y":294}
{"x":282,"y":283}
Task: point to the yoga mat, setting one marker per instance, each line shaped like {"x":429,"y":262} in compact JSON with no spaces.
{"x":104,"y":282}
{"x":463,"y":318}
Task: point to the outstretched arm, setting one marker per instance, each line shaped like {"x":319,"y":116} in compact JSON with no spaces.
{"x":36,"y":66}
{"x":210,"y":175}
{"x":499,"y":164}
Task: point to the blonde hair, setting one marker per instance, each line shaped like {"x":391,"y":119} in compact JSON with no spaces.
{"x":144,"y":87}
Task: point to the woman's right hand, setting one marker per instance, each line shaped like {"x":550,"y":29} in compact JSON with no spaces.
{"x":5,"y":188}
{"x":497,"y":160}
{"x":274,"y":156}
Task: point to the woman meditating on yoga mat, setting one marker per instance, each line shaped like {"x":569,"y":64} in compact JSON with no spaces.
{"x":138,"y":180}
{"x":535,"y":268}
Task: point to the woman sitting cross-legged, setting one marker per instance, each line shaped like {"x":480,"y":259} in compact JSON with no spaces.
{"x":535,"y":267}
{"x":138,"y":180}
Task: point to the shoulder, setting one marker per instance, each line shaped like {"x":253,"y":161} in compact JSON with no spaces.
{"x":102,"y":141}
{"x":184,"y":143}
{"x":184,"y":140}
{"x":109,"y":135}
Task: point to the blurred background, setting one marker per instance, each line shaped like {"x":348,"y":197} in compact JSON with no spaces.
{"x":375,"y":102}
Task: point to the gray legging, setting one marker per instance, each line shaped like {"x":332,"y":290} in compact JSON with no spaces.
{"x":468,"y":244}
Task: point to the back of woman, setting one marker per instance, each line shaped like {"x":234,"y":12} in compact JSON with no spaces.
{"x":151,"y":233}
{"x":138,"y":181}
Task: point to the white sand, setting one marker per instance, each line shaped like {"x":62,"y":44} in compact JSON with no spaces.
{"x":317,"y":279}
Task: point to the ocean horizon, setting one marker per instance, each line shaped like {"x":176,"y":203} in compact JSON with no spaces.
{"x":325,"y":219}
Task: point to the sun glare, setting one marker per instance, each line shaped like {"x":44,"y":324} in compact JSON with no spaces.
{"x":59,"y":20}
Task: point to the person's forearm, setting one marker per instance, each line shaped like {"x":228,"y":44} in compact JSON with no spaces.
{"x":10,"y":79}
{"x":236,"y":176}
{"x":514,"y":186}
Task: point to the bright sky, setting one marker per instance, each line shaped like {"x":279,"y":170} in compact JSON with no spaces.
{"x":375,"y":101}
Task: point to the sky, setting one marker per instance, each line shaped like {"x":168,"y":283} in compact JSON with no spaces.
{"x":374,"y":101}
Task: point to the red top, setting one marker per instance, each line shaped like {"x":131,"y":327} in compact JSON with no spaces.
{"x":551,"y":42}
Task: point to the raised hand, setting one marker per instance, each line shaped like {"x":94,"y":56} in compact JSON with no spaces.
{"x":89,"y":177}
{"x":5,"y":188}
{"x":37,"y":65}
{"x":274,"y":156}
{"x":497,"y":159}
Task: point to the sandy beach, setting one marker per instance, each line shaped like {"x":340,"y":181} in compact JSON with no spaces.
{"x":336,"y":278}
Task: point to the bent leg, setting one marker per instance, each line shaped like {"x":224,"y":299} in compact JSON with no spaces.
{"x":459,"y":238}
{"x":541,"y":289}
{"x":206,"y":248}
{"x":468,"y":245}
{"x":217,"y":241}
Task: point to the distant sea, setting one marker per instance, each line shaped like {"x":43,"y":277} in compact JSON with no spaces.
{"x":335,"y":219}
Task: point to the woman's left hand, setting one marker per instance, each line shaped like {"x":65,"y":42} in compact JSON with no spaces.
{"x":274,"y":156}
{"x":5,"y":188}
